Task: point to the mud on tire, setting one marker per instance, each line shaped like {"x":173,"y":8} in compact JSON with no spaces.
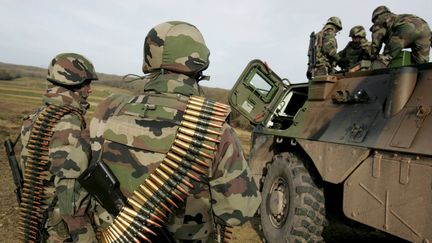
{"x":292,"y":208}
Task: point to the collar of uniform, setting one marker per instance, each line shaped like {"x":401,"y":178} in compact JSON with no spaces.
{"x":61,"y":96}
{"x":172,"y":83}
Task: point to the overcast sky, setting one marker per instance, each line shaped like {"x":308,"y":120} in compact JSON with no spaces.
{"x":111,"y":33}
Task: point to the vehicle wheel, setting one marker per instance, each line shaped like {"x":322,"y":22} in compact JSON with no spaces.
{"x":292,"y":208}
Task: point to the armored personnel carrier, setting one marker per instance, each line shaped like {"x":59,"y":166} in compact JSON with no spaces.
{"x":357,"y":140}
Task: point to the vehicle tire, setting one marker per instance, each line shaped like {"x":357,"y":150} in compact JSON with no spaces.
{"x":292,"y":208}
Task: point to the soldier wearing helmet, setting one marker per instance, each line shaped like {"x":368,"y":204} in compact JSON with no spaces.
{"x":356,"y":50}
{"x":136,"y":137}
{"x":398,"y":32}
{"x":326,"y":47}
{"x":58,"y":130}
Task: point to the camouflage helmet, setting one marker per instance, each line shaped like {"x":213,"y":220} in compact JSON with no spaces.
{"x":176,"y":46}
{"x":335,"y":21}
{"x":70,"y":69}
{"x":378,"y":11}
{"x":358,"y":31}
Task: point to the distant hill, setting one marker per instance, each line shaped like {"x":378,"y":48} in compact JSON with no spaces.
{"x":12,"y":71}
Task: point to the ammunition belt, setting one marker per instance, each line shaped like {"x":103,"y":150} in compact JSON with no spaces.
{"x":32,"y":212}
{"x":188,"y":158}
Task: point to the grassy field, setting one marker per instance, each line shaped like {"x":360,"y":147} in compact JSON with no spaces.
{"x":21,"y":97}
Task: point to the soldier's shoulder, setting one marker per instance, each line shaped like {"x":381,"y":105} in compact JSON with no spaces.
{"x":110,"y":104}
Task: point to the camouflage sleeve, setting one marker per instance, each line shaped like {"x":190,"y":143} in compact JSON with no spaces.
{"x":329,"y":46}
{"x":343,"y":62}
{"x":235,"y":196}
{"x":378,"y":33}
{"x":69,"y":154}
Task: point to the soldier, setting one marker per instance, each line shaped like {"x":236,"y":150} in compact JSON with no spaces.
{"x":140,"y":138}
{"x":55,"y":151}
{"x":326,"y":54}
{"x":356,"y":50}
{"x":398,"y":32}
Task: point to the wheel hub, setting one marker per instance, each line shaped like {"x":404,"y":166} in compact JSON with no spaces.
{"x":278,"y":202}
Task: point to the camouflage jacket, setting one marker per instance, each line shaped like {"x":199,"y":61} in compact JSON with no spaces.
{"x":69,"y":152}
{"x":353,"y":53}
{"x":326,"y":46}
{"x":134,"y":133}
{"x":407,"y":29}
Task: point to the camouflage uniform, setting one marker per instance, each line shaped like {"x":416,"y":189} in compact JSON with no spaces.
{"x":326,"y":47}
{"x":354,"y":52}
{"x":398,"y":32}
{"x":69,"y":150}
{"x":135,"y":132}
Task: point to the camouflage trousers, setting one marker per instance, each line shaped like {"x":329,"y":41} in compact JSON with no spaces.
{"x":418,"y":40}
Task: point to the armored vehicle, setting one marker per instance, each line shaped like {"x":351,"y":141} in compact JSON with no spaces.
{"x":356,"y":140}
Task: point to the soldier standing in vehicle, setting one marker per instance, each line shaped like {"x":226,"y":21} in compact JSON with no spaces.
{"x":325,"y":45}
{"x":135,"y":137}
{"x":356,"y":50}
{"x":55,"y":151}
{"x":398,"y":32}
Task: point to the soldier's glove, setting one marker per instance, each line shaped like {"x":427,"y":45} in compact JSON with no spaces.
{"x":385,"y":59}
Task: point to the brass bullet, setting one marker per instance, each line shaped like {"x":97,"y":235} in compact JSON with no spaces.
{"x":204,"y":109}
{"x":38,"y":143}
{"x":185,"y":163}
{"x":176,"y":176}
{"x":199,"y":128}
{"x":208,"y":106}
{"x":192,"y":149}
{"x":33,"y":136}
{"x":126,"y":229}
{"x":131,"y":215}
{"x":112,"y":234}
{"x":143,"y":210}
{"x":188,"y":156}
{"x":38,"y":162}
{"x":109,"y":236}
{"x":207,"y":101}
{"x":33,"y":196}
{"x":199,"y":121}
{"x":171,"y":181}
{"x":194,"y":142}
{"x":158,"y":200}
{"x":34,"y":151}
{"x":40,"y":148}
{"x":162,"y":194}
{"x":197,"y":135}
{"x":136,"y":229}
{"x":42,"y":123}
{"x":204,"y":116}
{"x":166,"y":187}
{"x":145,"y":201}
{"x":180,"y":169}
{"x":123,"y":236}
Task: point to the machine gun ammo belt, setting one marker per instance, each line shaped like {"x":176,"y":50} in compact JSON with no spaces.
{"x":32,"y":214}
{"x":189,"y":157}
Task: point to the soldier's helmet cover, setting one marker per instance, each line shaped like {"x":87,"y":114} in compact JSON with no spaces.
{"x":176,"y":46}
{"x":70,"y":69}
{"x":379,"y":11}
{"x":335,"y":21}
{"x":358,"y":31}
